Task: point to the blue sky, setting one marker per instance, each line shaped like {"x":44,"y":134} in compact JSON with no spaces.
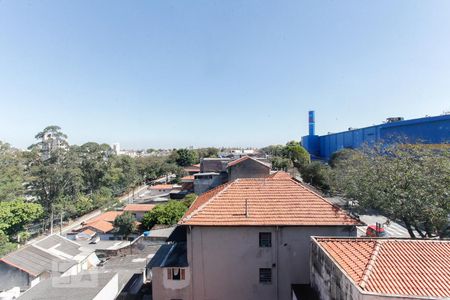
{"x":221,"y":73}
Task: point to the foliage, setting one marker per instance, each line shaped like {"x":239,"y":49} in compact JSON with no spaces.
{"x":297,"y":154}
{"x":206,"y":152}
{"x":189,"y":199}
{"x":164,"y":214}
{"x":5,"y":245}
{"x":340,"y":155}
{"x":274,"y":150}
{"x":11,"y":174}
{"x":280,"y":163}
{"x":184,"y":157}
{"x":317,"y":174}
{"x":15,"y":214}
{"x":409,"y":183}
{"x":125,"y":224}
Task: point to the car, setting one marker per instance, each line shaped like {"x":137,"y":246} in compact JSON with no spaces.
{"x":375,"y":231}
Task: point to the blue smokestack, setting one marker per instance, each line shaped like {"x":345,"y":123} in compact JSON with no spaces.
{"x":312,"y":123}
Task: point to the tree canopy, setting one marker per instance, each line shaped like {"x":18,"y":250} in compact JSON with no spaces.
{"x":407,"y":183}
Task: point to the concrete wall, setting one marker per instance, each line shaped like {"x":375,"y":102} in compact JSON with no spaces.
{"x":248,"y":169}
{"x":225,"y":261}
{"x":165,"y":289}
{"x":331,"y":283}
{"x":202,"y":185}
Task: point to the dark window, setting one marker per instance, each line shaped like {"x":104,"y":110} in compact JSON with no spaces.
{"x":265,"y":275}
{"x":265,"y":239}
{"x":176,"y":274}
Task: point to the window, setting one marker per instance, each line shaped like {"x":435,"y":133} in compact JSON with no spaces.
{"x":265,"y":239}
{"x":176,"y":274}
{"x":265,"y":275}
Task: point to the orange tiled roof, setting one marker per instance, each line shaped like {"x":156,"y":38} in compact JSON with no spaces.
{"x":281,"y":175}
{"x":189,"y":177}
{"x":108,"y":216}
{"x":139,"y":207}
{"x":268,"y":201}
{"x":244,"y":158}
{"x":102,"y":226}
{"x":394,"y":266}
{"x":161,"y":187}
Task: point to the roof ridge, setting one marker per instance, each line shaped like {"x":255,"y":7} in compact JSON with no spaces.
{"x":198,"y":209}
{"x":370,"y":266}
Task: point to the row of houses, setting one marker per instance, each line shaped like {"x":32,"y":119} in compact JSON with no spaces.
{"x":274,"y":238}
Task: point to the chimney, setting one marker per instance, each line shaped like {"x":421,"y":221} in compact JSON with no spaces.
{"x":312,"y":123}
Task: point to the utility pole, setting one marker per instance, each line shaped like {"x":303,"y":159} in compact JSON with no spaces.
{"x":61,"y":224}
{"x":51,"y":221}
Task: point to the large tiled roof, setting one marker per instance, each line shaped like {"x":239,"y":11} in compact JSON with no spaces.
{"x":264,"y":201}
{"x":394,"y":266}
{"x":108,"y":216}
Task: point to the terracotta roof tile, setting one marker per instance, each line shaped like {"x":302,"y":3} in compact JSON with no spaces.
{"x":162,"y":187}
{"x":102,"y":226}
{"x":269,"y":201}
{"x":139,"y":207}
{"x":397,"y":267}
{"x":108,"y":216}
{"x":281,"y":175}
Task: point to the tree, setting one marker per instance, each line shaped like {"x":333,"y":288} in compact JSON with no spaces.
{"x":317,"y":174}
{"x":409,"y":183}
{"x":184,"y":157}
{"x":274,"y":150}
{"x":207,"y":152}
{"x":164,"y":214}
{"x":11,"y":174}
{"x":125,"y":224}
{"x":281,"y":163}
{"x":297,"y":154}
{"x":189,"y":199}
{"x":5,"y":245}
{"x":14,"y":215}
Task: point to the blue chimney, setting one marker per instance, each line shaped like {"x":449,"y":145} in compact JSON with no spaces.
{"x":312,"y":123}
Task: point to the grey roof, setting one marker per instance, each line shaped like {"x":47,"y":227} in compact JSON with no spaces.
{"x":80,"y":287}
{"x":61,"y":244}
{"x":35,"y":261}
{"x":170,"y":255}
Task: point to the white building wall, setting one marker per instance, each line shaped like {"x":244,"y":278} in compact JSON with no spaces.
{"x":165,"y":289}
{"x":110,"y":290}
{"x":225,"y":261}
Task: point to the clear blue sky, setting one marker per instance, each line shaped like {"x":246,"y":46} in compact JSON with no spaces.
{"x":162,"y":73}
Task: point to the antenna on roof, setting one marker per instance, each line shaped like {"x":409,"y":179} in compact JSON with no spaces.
{"x":246,"y":208}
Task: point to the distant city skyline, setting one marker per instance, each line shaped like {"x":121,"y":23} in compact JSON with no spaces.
{"x":170,"y":74}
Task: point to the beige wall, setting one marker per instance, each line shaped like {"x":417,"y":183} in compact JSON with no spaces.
{"x":164,"y":289}
{"x":225,"y":261}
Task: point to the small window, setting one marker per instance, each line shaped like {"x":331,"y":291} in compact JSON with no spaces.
{"x":176,"y":274}
{"x":265,"y":239}
{"x":265,"y":275}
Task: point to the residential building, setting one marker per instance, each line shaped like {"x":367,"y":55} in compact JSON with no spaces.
{"x":191,"y":170}
{"x":369,"y":269}
{"x":139,"y":210}
{"x":250,"y":239}
{"x":203,"y":182}
{"x":88,"y":285}
{"x":248,"y":167}
{"x":162,"y":188}
{"x":52,"y":256}
{"x":102,"y":225}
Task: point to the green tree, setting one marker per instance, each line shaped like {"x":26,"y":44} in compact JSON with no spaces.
{"x":189,"y":199}
{"x":164,"y":214}
{"x":185,"y":157}
{"x":11,"y":173}
{"x":5,"y":245}
{"x":14,"y":215}
{"x":297,"y":154}
{"x":125,"y":224}
{"x":280,"y":163}
{"x":318,"y":175}
{"x":206,"y":152}
{"x":274,"y":150}
{"x":409,"y":183}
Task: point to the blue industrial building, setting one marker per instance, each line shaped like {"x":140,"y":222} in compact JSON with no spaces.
{"x":428,"y":130}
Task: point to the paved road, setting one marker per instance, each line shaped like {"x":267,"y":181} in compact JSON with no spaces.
{"x":393,"y":229}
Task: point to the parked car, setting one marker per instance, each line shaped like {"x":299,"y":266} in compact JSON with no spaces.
{"x":375,"y":231}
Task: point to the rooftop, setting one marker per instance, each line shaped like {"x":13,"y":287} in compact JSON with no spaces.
{"x":393,"y":266}
{"x":139,"y":207}
{"x":244,"y":158}
{"x":83,"y":286}
{"x":170,"y":255}
{"x":264,"y":201}
{"x":108,"y":216}
{"x":162,"y":187}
